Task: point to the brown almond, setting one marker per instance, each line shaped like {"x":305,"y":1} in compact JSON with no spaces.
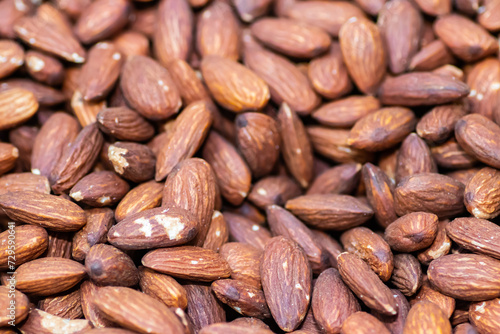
{"x":341,"y":179}
{"x":48,"y":276}
{"x":438,"y":124}
{"x":18,"y":105}
{"x":330,"y":211}
{"x":8,"y":157}
{"x":484,"y":96}
{"x":480,"y":194}
{"x":274,"y":190}
{"x":429,"y":192}
{"x":45,"y":95}
{"x":145,"y":196}
{"x":66,"y":305}
{"x":286,"y":281}
{"x":242,"y":297}
{"x":49,"y":211}
{"x":450,"y":70}
{"x":346,"y":112}
{"x":431,"y":57}
{"x":24,"y":181}
{"x":132,"y":43}
{"x":132,"y":161}
{"x":407,"y":274}
{"x":364,"y":55}
{"x":218,"y":233}
{"x":371,"y":7}
{"x":13,"y":57}
{"x":250,"y":10}
{"x":44,"y":323}
{"x":124,"y":124}
{"x":382,"y":129}
{"x":484,"y":316}
{"x":466,"y":39}
{"x":435,"y":8}
{"x":365,"y":284}
{"x":44,"y":68}
{"x":218,"y":32}
{"x":371,"y":248}
{"x":163,"y":288}
{"x":439,"y":247}
{"x":88,"y":292}
{"x":188,"y":262}
{"x":107,"y":265}
{"x":258,"y":139}
{"x":85,"y":111}
{"x":208,"y":309}
{"x":414,"y":157}
{"x":188,"y":83}
{"x":244,"y":261}
{"x":427,"y":317}
{"x":244,"y":230}
{"x":94,"y":232}
{"x":30,"y":243}
{"x":429,"y":293}
{"x":395,"y":323}
{"x":488,"y":16}
{"x":99,"y":189}
{"x":363,"y":322}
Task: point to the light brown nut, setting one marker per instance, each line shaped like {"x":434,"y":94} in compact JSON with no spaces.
{"x":273,"y":190}
{"x":341,"y":179}
{"x":380,"y":194}
{"x":249,"y":10}
{"x":412,"y":232}
{"x":124,"y":124}
{"x":360,"y":322}
{"x":17,"y":106}
{"x":8,"y":157}
{"x":427,"y":317}
{"x":483,"y":80}
{"x":346,"y":112}
{"x":429,"y":293}
{"x":66,"y":305}
{"x":414,"y":157}
{"x":481,"y":193}
{"x":431,"y":57}
{"x":286,"y":281}
{"x":435,"y":8}
{"x":13,"y":57}
{"x":99,"y":189}
{"x":218,"y":233}
{"x":132,"y":43}
{"x":163,"y":288}
{"x":45,"y":95}
{"x":244,"y":230}
{"x":484,"y":316}
{"x":42,"y":322}
{"x":244,"y":261}
{"x":439,"y":247}
{"x":30,"y":243}
{"x":143,"y":197}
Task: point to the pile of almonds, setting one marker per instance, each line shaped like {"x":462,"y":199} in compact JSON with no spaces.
{"x":249,"y":166}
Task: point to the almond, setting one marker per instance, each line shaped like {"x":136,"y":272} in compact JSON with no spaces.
{"x":244,"y":261}
{"x":438,"y":124}
{"x":427,"y":317}
{"x":132,"y":161}
{"x":163,"y":288}
{"x":67,"y":305}
{"x":484,"y":96}
{"x":44,"y":68}
{"x":124,"y":124}
{"x":341,"y":179}
{"x":30,"y":243}
{"x":273,"y":190}
{"x":380,"y":194}
{"x":242,"y":297}
{"x":107,"y":265}
{"x":12,"y":55}
{"x":94,"y":232}
{"x":346,"y":112}
{"x":362,"y":321}
{"x":484,"y":316}
{"x":407,"y":274}
{"x":244,"y":230}
{"x":18,"y":105}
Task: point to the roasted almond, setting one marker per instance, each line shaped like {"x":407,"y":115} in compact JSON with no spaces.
{"x":341,"y":179}
{"x":66,"y":305}
{"x":218,"y":233}
{"x":13,"y":56}
{"x":132,"y":161}
{"x":480,"y":195}
{"x":427,"y":317}
{"x":30,"y":243}
{"x":107,"y":265}
{"x":244,"y":230}
{"x":143,"y":197}
{"x":484,"y":96}
{"x":431,"y":57}
{"x":438,"y":124}
{"x":484,"y":316}
{"x":362,"y":321}
{"x":18,"y":105}
{"x":244,"y":261}
{"x":407,"y":274}
{"x":124,"y":124}
{"x":346,"y":112}
{"x":163,"y":288}
{"x":242,"y":297}
{"x":274,"y":190}
{"x":94,"y":232}
{"x":414,"y":157}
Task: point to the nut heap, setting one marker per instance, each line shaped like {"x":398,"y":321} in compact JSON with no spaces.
{"x":249,"y":166}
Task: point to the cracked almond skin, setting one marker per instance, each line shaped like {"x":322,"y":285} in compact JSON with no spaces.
{"x":258,"y":139}
{"x":466,"y":39}
{"x":484,"y":316}
{"x":132,"y":161}
{"x":130,"y":126}
{"x":49,"y":211}
{"x":429,"y":192}
{"x":330,"y":211}
{"x":163,"y":288}
{"x":295,"y":146}
{"x":17,"y":106}
{"x":380,"y":194}
{"x":346,"y":112}
{"x":77,"y":159}
{"x":371,"y":248}
{"x":400,"y":25}
{"x":341,"y":179}
{"x":13,"y":54}
{"x":482,"y":194}
{"x":149,"y":88}
{"x":476,"y":135}
{"x":218,"y":32}
{"x":136,"y":311}
{"x":438,"y":125}
{"x":99,"y":221}
{"x":476,"y":235}
{"x":328,"y":74}
{"x":282,"y":222}
{"x":188,"y":262}
{"x":469,"y":277}
{"x":365,"y":284}
{"x":242,"y":297}
{"x":107,"y":265}
{"x":414,"y":157}
{"x":421,"y":89}
{"x":483,"y":80}
{"x":100,"y":72}
{"x":99,"y":189}
{"x":154,"y":228}
{"x":364,"y":55}
{"x":286,"y":281}
{"x":291,"y":37}
{"x":427,"y":317}
{"x":189,"y":131}
{"x":145,"y":196}
{"x":382,"y":129}
{"x":48,"y":276}
{"x":362,"y":322}
{"x":329,"y":16}
{"x":285,"y":81}
{"x":412,"y":232}
{"x":14,"y":301}
{"x":407,"y":274}
{"x":31,"y":243}
{"x":234,"y":86}
{"x":232,"y":173}
{"x":192,"y":186}
{"x":332,"y":301}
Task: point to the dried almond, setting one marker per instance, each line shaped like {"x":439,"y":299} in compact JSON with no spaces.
{"x":244,"y":230}
{"x":484,"y":316}
{"x":484,"y":97}
{"x":407,"y":274}
{"x":12,"y":55}
{"x":124,"y":124}
{"x":163,"y":288}
{"x":346,"y":112}
{"x":242,"y":297}
{"x":99,"y":189}
{"x":107,"y":265}
{"x":438,"y":124}
{"x":427,"y":317}
{"x":18,"y":105}
{"x":341,"y":179}
{"x":94,"y":232}
{"x":431,"y":57}
{"x":477,"y":235}
{"x":44,"y":68}
{"x":30,"y":243}
{"x":380,"y":194}
{"x":414,"y":157}
{"x":365,"y":322}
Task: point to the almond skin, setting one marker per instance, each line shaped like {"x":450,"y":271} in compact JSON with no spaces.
{"x":188,"y":262}
{"x":18,"y":105}
{"x":438,"y":124}
{"x":407,"y":274}
{"x":480,"y":195}
{"x":13,"y":54}
{"x":143,"y":197}
{"x":244,"y":230}
{"x":431,"y":57}
{"x":286,"y":281}
{"x":20,"y":306}
{"x":163,"y":288}
{"x":346,"y":112}
{"x":208,"y":309}
{"x":132,"y":161}
{"x":341,"y":179}
{"x":154,"y":228}
{"x":218,"y":233}
{"x":31,"y":242}
{"x":67,"y":305}
{"x":427,"y":317}
{"x":414,"y":157}
{"x":130,"y":125}
{"x":484,"y":316}
{"x":108,"y":189}
{"x":482,"y":80}
{"x":45,"y":95}
{"x":459,"y":276}
{"x":244,"y":261}
{"x":43,"y":322}
{"x":242,"y":297}
{"x":363,"y":321}
{"x":364,"y":55}
{"x":49,"y":211}
{"x":95,"y":231}
{"x":429,"y":293}
{"x":274,"y":190}
{"x":412,"y":232}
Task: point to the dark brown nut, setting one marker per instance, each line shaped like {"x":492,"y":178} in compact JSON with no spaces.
{"x":107,"y":265}
{"x":382,"y":129}
{"x":244,"y":230}
{"x":466,"y":276}
{"x":132,"y":161}
{"x":330,"y":211}
{"x":427,"y":317}
{"x":332,"y":301}
{"x":99,"y":189}
{"x":88,"y":292}
{"x":412,"y":232}
{"x":421,"y":89}
{"x":143,"y":197}
{"x":208,"y":309}
{"x":30,"y":243}
{"x":477,"y":235}
{"x":66,"y":305}
{"x":407,"y":274}
{"x":286,"y":281}
{"x":429,"y":192}
{"x":481,"y":194}
{"x":346,"y":112}
{"x":396,"y":323}
{"x":124,"y":124}
{"x":250,"y":10}
{"x":365,"y":284}
{"x":242,"y":297}
{"x":189,"y":84}
{"x":274,"y":190}
{"x":380,"y":194}
{"x":330,"y":246}
{"x":94,"y":232}
{"x":341,"y":179}
{"x":440,"y":246}
{"x":371,"y":248}
{"x":258,"y":140}
{"x":244,"y":261}
{"x":450,"y":155}
{"x":154,"y":228}
{"x":429,"y":293}
{"x":463,"y":175}
{"x":414,"y":157}
{"x":163,"y":288}
{"x":364,"y":322}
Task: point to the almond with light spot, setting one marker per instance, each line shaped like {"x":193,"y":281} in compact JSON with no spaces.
{"x":132,"y":161}
{"x":99,"y":189}
{"x":242,"y":297}
{"x":145,"y":196}
{"x":30,"y":243}
{"x":99,"y":221}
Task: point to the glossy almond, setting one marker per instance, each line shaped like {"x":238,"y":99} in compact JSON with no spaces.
{"x":244,"y":261}
{"x":242,"y":297}
{"x":483,"y":79}
{"x":44,"y":68}
{"x":341,"y":179}
{"x":244,"y":230}
{"x":438,"y":124}
{"x":380,"y":194}
{"x":124,"y":124}
{"x":484,"y":316}
{"x":163,"y":288}
{"x":414,"y":157}
{"x":431,"y":56}
{"x":99,"y":189}
{"x":362,"y":321}
{"x":145,"y":196}
{"x":345,"y":112}
{"x":107,"y":265}
{"x":30,"y":243}
{"x":407,"y":274}
{"x":480,"y":195}
{"x":132,"y":161}
{"x":477,"y":235}
{"x":426,"y":317}
{"x":95,"y":231}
